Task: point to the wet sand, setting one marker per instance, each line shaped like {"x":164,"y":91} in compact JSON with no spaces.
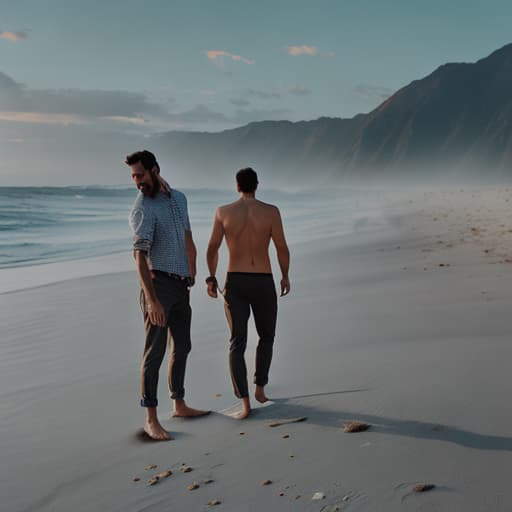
{"x":404,"y":325}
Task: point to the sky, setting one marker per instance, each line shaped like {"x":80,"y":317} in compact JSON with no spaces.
{"x":80,"y":80}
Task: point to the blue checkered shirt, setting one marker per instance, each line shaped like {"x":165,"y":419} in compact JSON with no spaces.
{"x":159,"y":226}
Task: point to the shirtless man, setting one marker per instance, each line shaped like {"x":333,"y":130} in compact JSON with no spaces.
{"x":249,"y":225}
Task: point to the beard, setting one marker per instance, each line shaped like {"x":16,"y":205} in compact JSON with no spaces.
{"x":146,"y":189}
{"x":150,"y":189}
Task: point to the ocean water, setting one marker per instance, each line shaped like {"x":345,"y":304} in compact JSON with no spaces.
{"x":50,"y":224}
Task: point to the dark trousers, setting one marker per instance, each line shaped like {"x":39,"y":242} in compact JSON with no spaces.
{"x":174,"y":297}
{"x":245,"y":291}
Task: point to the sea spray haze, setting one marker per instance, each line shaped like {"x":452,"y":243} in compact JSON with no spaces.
{"x":49,"y":224}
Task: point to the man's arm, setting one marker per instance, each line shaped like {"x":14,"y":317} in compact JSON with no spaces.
{"x":283,"y":253}
{"x":190,"y":249}
{"x":212,"y":253}
{"x":154,"y":309}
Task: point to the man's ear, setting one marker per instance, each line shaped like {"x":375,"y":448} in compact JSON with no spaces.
{"x":155,"y":170}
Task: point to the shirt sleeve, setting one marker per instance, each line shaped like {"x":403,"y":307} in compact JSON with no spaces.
{"x":186,"y":220}
{"x":143,"y":226}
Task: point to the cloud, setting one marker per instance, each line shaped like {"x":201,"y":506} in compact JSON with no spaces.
{"x":40,"y":118}
{"x":299,"y":90}
{"x":372,"y":92}
{"x":302,"y":50}
{"x":198,"y":114}
{"x":13,"y":36}
{"x":263,"y":95}
{"x":217,"y":57}
{"x":239,"y":102}
{"x":73,"y":105}
{"x":312,"y":51}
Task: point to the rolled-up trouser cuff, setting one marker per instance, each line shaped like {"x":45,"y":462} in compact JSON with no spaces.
{"x":146,"y":402}
{"x":177,"y":396}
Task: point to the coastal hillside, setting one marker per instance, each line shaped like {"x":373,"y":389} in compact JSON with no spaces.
{"x":457,"y":120}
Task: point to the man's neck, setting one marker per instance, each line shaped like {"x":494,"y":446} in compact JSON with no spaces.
{"x":247,"y":196}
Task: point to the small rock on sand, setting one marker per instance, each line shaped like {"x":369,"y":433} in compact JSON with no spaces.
{"x":193,"y":486}
{"x":285,"y":436}
{"x":266,"y":482}
{"x":208,"y":481}
{"x":151,"y":466}
{"x":355,"y":426}
{"x":164,"y":474}
{"x":186,"y":469}
{"x":153,"y":481}
{"x":212,"y":503}
{"x":423,"y":487}
{"x":135,"y":479}
{"x":318,"y":496}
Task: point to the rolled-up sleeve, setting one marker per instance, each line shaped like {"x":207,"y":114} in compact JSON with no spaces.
{"x":143,"y":226}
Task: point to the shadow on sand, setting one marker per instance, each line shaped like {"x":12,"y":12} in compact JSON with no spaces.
{"x":333,"y":417}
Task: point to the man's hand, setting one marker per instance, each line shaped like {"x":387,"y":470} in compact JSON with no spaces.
{"x":211,"y":287}
{"x":156,"y":313}
{"x":285,"y":286}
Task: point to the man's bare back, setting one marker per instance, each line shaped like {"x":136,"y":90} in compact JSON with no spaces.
{"x":248,"y":226}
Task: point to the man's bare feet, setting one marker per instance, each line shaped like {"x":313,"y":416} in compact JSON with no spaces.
{"x":182,"y":410}
{"x":246,"y":410}
{"x":260,"y":395}
{"x":155,"y":431}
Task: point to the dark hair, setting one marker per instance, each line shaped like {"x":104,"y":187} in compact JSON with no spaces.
{"x":146,"y":158}
{"x":247,"y":180}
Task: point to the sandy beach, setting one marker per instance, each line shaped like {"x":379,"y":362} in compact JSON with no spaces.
{"x":403,"y":324}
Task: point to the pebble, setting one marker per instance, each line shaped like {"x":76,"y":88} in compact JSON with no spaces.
{"x":318,"y":496}
{"x":186,"y":469}
{"x":423,"y":487}
{"x":193,"y":486}
{"x":285,"y":436}
{"x":208,"y":481}
{"x":266,"y":482}
{"x":153,"y":481}
{"x":212,"y":503}
{"x":164,"y":474}
{"x":151,"y":466}
{"x":136,"y":479}
{"x":355,"y":426}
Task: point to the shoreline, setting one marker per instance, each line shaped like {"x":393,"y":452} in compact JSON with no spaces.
{"x":366,"y":334}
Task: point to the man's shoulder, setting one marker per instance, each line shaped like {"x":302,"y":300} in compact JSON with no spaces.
{"x":226,"y":207}
{"x":268,"y":205}
{"x":178,"y":195}
{"x":139,"y":202}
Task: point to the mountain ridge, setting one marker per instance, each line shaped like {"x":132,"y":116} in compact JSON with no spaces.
{"x":457,"y":119}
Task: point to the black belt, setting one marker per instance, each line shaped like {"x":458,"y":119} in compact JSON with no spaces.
{"x":176,"y":277}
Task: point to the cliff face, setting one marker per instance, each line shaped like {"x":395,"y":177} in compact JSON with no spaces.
{"x":457,"y":119}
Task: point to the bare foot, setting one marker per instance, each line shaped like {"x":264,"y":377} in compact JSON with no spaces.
{"x":260,"y":395}
{"x":155,"y":431}
{"x":181,"y":410}
{"x":246,"y":410}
